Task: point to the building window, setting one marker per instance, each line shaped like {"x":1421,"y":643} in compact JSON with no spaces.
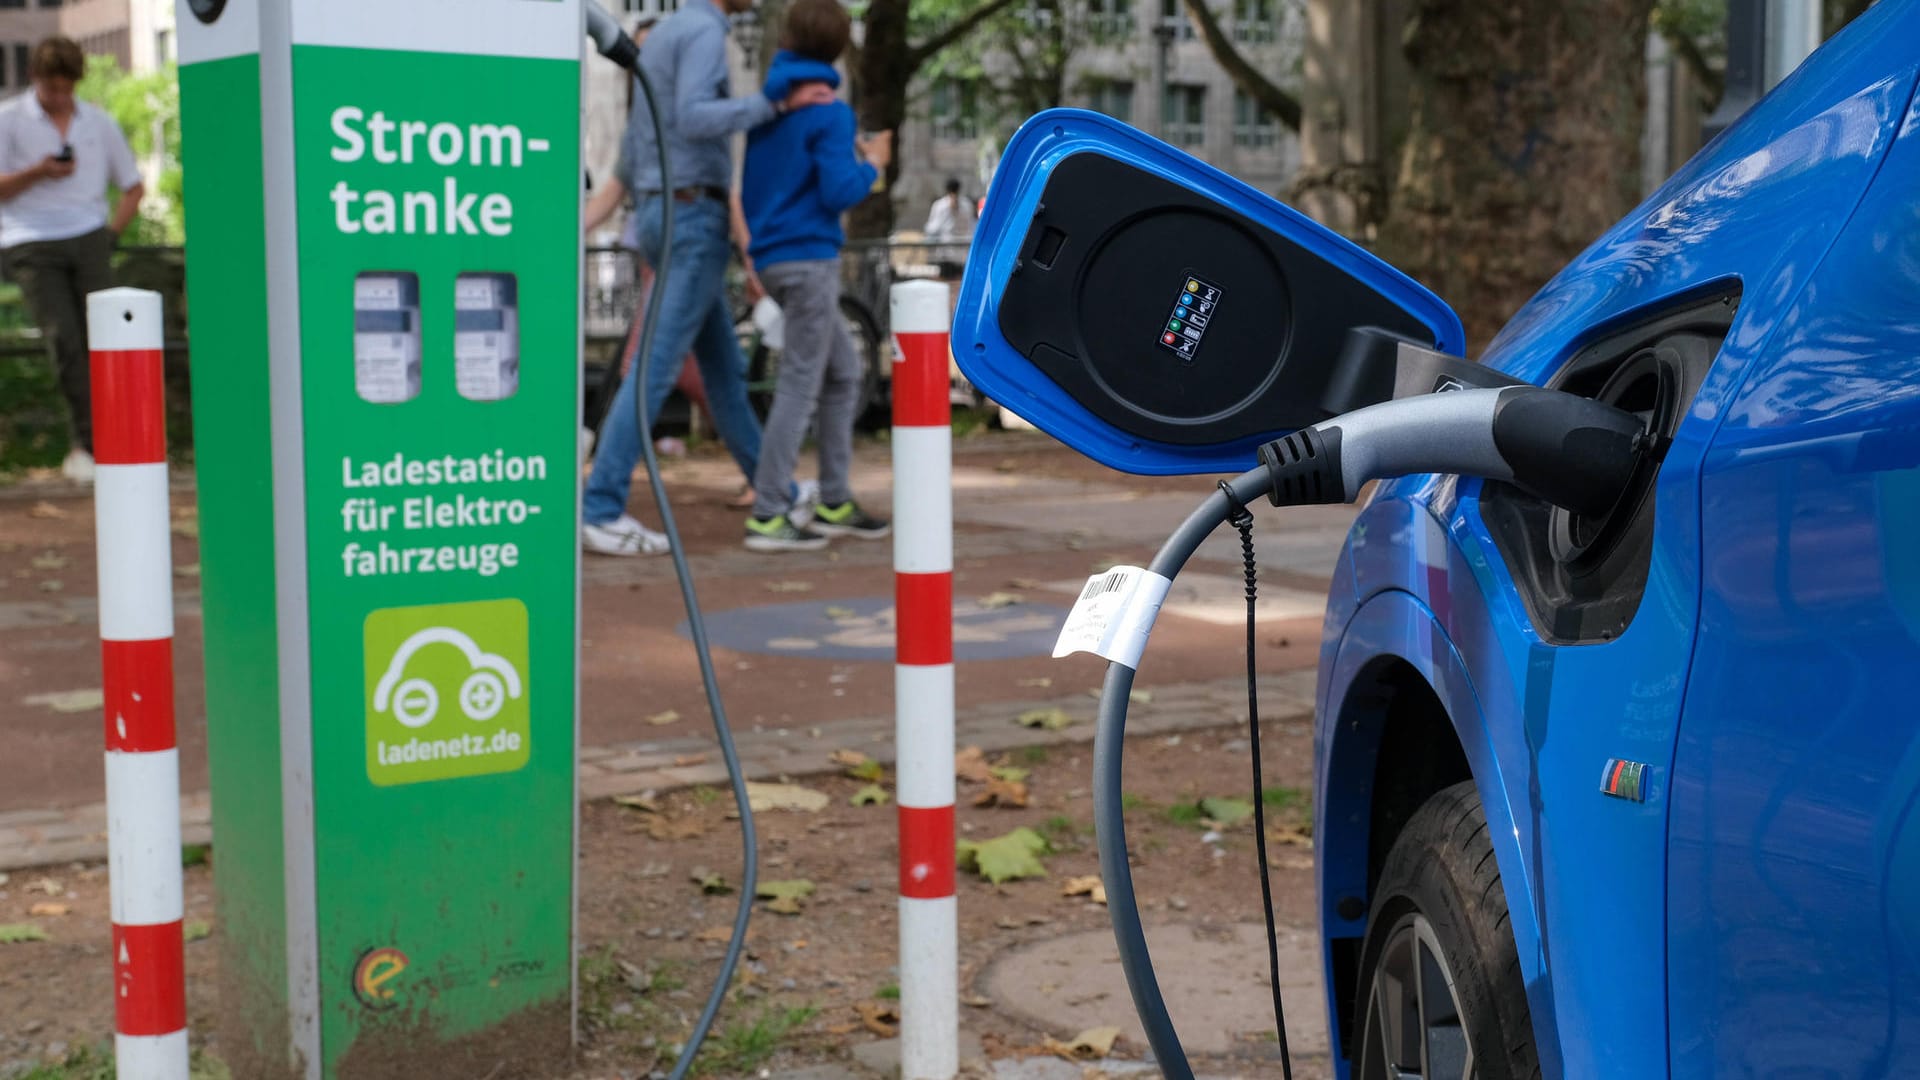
{"x":1038,"y":15}
{"x":1173,"y":14}
{"x":13,"y":3}
{"x":1113,"y":97}
{"x":953,"y":111}
{"x":50,"y":3}
{"x":1253,"y":22}
{"x":22,"y":54}
{"x":162,"y":48}
{"x":1184,"y":113}
{"x":1253,"y":126}
{"x":1110,"y":18}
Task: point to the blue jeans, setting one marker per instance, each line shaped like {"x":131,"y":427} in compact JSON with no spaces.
{"x":693,"y":314}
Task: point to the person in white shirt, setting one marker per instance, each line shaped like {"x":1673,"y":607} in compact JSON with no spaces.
{"x":57,"y":156}
{"x":951,"y":218}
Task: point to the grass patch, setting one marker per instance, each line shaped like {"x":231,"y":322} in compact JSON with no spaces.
{"x":1130,"y":801}
{"x":96,"y":1063}
{"x":706,"y":796}
{"x":1187,"y":814}
{"x":889,"y":992}
{"x":742,"y":1048}
{"x":1284,"y":798}
{"x":1030,"y":755}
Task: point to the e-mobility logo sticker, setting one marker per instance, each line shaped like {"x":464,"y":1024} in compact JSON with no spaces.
{"x":447,"y":691}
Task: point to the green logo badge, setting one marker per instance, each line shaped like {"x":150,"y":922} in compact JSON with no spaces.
{"x":446,"y":691}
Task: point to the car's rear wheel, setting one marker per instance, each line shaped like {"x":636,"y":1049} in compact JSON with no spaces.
{"x":1440,"y":991}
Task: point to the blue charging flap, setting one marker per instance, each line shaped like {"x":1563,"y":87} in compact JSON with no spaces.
{"x":1156,"y":314}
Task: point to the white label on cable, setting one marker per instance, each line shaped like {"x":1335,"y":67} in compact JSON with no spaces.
{"x":1114,"y":615}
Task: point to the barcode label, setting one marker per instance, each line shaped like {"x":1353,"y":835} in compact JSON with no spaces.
{"x":1101,"y":584}
{"x":1114,"y":614}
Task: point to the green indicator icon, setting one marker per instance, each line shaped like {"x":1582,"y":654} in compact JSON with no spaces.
{"x":447,"y":692}
{"x":1173,"y":324}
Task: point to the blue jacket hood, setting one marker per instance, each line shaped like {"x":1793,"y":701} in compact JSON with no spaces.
{"x":790,"y":68}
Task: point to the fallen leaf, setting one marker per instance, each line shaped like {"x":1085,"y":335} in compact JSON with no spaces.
{"x":1226,"y":812}
{"x":1089,"y":887}
{"x":1042,"y":682}
{"x":13,"y":933}
{"x":196,"y":929}
{"x":721,"y":934}
{"x":848,"y":759}
{"x":1012,"y":774}
{"x":842,"y":1029}
{"x":51,"y":560}
{"x":789,"y":586}
{"x":970,"y":764}
{"x":52,"y":585}
{"x":710,"y":883}
{"x":858,"y":765}
{"x":1005,"y":793}
{"x":68,"y":701}
{"x":685,"y":760}
{"x":995,"y":600}
{"x":834,"y":611}
{"x":660,"y":719}
{"x":1089,"y":1045}
{"x":1052,"y":719}
{"x":1140,"y":697}
{"x":46,"y":510}
{"x":871,"y":795}
{"x":48,"y":907}
{"x":187,"y":570}
{"x":644,"y":801}
{"x":765,"y":797}
{"x":187,"y":526}
{"x":878,"y":1019}
{"x":1022,"y":583}
{"x":1005,"y":858}
{"x":975,"y":1001}
{"x":667,"y":830}
{"x":784,"y":896}
{"x":47,"y":885}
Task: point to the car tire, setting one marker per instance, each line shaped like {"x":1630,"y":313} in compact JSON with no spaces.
{"x":1439,"y":934}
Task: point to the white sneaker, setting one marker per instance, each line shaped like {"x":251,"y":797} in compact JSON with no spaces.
{"x":804,"y":500}
{"x":78,"y":467}
{"x":622,"y":536}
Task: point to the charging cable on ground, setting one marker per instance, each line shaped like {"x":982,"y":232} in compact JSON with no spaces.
{"x":615,"y":45}
{"x":1571,"y":451}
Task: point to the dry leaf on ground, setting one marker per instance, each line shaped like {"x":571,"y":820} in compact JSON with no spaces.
{"x":765,"y":797}
{"x":784,"y":896}
{"x":970,"y":764}
{"x":643,"y":801}
{"x":871,"y":795}
{"x":50,"y":560}
{"x":1011,"y":794}
{"x":1005,"y":858}
{"x":48,"y":907}
{"x":858,"y":765}
{"x":1089,"y":1045}
{"x":879,"y":1019}
{"x":685,"y":760}
{"x":661,"y":719}
{"x":68,"y":701}
{"x":789,"y":586}
{"x":710,"y":883}
{"x":1089,"y":887}
{"x":666,"y":830}
{"x":196,"y":930}
{"x":998,"y":600}
{"x":834,"y":611}
{"x":46,"y":510}
{"x":1042,"y":682}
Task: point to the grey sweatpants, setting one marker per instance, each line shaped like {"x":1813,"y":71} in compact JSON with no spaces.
{"x":818,"y":367}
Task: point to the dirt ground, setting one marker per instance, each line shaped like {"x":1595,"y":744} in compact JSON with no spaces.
{"x":815,"y":984}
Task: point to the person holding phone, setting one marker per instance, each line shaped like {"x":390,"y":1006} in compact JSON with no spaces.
{"x":57,"y":156}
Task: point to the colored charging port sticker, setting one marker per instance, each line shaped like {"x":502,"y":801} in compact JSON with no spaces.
{"x":1114,"y":615}
{"x":1193,"y":309}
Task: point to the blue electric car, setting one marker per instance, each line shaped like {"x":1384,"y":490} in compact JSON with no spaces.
{"x":1625,"y":790}
{"x":1635,"y":794}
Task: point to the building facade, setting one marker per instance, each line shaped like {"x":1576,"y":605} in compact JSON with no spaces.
{"x":138,"y":34}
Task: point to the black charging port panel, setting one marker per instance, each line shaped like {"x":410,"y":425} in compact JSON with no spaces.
{"x":1174,"y":319}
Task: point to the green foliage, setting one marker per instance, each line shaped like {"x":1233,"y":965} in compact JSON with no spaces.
{"x":1283,"y":798}
{"x":889,"y":992}
{"x":1017,"y":62}
{"x":195,"y":854}
{"x":1031,"y":755}
{"x":1188,"y":814}
{"x":147,"y":108}
{"x":1702,"y":20}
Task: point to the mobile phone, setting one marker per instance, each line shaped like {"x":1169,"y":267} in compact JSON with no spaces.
{"x":66,"y":152}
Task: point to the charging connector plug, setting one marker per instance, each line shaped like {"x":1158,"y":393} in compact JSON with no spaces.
{"x":1573,"y":452}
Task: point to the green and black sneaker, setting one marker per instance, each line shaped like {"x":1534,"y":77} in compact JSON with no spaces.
{"x":848,"y":519}
{"x":779,"y":534}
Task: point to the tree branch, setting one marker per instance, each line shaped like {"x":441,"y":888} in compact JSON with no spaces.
{"x":1248,"y":79}
{"x":921,"y":53}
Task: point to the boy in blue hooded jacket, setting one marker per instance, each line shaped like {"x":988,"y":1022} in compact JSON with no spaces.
{"x":802,"y":173}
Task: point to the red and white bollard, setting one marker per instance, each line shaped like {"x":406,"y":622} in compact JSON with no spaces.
{"x":923,"y":681}
{"x":135,"y":551}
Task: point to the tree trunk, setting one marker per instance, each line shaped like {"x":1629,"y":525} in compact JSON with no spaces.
{"x":1523,"y":144}
{"x":883,"y":69}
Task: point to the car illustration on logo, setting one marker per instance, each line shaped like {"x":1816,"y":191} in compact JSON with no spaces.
{"x":415,"y":702}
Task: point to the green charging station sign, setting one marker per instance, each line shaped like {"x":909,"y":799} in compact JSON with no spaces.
{"x":447,"y":691}
{"x":386,"y":206}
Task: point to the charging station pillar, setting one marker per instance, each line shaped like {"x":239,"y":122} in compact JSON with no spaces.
{"x":384,"y":269}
